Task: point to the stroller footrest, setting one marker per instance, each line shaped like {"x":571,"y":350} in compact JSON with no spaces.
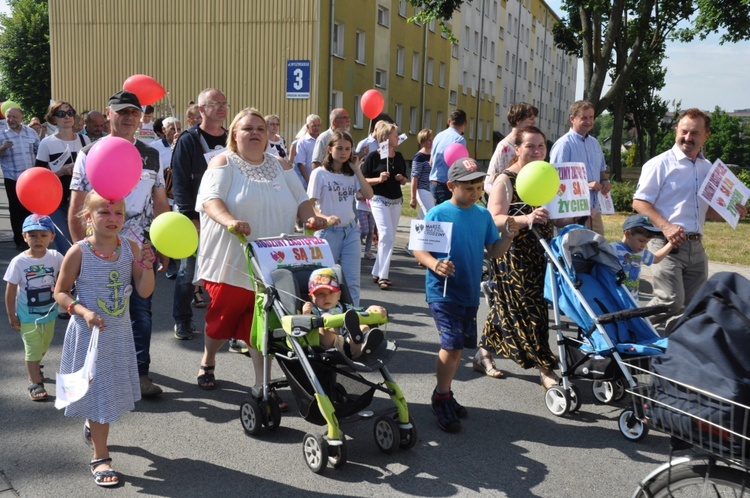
{"x":627,"y":314}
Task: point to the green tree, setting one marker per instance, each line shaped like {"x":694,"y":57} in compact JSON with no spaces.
{"x":25,"y":55}
{"x":726,"y":141}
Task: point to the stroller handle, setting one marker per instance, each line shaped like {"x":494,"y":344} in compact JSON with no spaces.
{"x":301,"y":325}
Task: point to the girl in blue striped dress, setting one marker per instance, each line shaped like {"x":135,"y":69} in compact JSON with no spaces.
{"x":102,"y":267}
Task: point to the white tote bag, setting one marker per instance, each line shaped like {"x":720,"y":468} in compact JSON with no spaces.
{"x":73,"y":386}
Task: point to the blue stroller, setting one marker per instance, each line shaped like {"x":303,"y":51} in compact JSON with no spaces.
{"x":584,"y":282}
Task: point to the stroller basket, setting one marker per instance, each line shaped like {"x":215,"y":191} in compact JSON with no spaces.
{"x":702,"y":419}
{"x":348,"y":396}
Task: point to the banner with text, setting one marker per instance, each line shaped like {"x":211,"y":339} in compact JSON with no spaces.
{"x":723,"y":191}
{"x":572,"y":199}
{"x":431,"y":236}
{"x":273,"y":253}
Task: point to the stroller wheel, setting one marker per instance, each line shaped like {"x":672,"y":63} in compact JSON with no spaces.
{"x":557,"y":400}
{"x":575,"y":399}
{"x":604,"y":391}
{"x":387,"y":434}
{"x":273,"y":414}
{"x":315,"y":451}
{"x":251,"y":416}
{"x":408,"y":436}
{"x":631,"y":426}
{"x":337,"y":454}
{"x":619,"y":390}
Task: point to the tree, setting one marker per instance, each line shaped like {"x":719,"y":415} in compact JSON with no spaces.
{"x":25,"y":55}
{"x":726,"y":141}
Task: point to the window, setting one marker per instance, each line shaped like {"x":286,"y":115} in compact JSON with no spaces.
{"x":338,"y":39}
{"x":497,"y":109}
{"x":431,"y":26}
{"x":501,"y":34}
{"x":480,"y":130}
{"x":358,"y":115}
{"x":413,"y":121}
{"x":453,"y":98}
{"x":439,"y":124}
{"x":494,"y":9}
{"x":505,"y":97}
{"x":399,"y":114}
{"x":476,"y":42}
{"x":484,"y":47}
{"x":488,"y":131}
{"x":464,"y":81}
{"x":454,"y":50}
{"x":467,"y":38}
{"x":381,"y":78}
{"x":337,"y":99}
{"x":513,"y":63}
{"x":492,"y":89}
{"x":384,"y":16}
{"x":360,"y":44}
{"x":415,"y":66}
{"x":402,"y":8}
{"x":441,"y":75}
{"x":471,"y":129}
{"x":427,"y":119}
{"x":400,"y":61}
{"x":430,"y":70}
{"x":492,"y":52}
{"x":507,"y":59}
{"x":482,"y":88}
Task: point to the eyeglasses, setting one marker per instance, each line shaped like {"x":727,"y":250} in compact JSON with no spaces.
{"x":61,"y":114}
{"x":216,"y":105}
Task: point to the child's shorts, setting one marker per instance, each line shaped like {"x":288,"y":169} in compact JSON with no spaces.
{"x":230,"y":312}
{"x":456,"y":324}
{"x":37,"y":338}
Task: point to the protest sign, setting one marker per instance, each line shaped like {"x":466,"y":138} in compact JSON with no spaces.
{"x":722,"y":191}
{"x":606,"y":204}
{"x":572,"y":199}
{"x":430,"y":236}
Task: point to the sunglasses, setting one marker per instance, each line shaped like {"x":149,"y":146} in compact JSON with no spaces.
{"x":61,"y":114}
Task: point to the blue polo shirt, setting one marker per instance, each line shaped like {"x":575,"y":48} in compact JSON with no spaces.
{"x":439,"y":172}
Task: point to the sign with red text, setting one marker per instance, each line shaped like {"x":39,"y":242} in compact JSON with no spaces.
{"x":278,"y":252}
{"x":572,"y":199}
{"x":606,"y":205}
{"x":722,"y":191}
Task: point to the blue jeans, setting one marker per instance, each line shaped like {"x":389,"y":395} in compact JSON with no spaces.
{"x":440,"y":192}
{"x":62,"y":236}
{"x":140,"y":320}
{"x":346,"y":248}
{"x":182,"y":310}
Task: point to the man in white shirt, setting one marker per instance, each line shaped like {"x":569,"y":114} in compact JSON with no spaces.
{"x":303,"y":159}
{"x":339,"y":122}
{"x":667,"y":193}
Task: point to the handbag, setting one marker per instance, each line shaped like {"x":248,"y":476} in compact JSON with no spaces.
{"x":74,"y":386}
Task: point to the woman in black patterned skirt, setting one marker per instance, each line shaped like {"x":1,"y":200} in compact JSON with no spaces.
{"x":517,"y":326}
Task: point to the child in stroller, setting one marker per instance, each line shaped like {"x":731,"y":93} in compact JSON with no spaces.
{"x":353,"y":339}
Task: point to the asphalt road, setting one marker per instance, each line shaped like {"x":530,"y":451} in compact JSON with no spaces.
{"x":190,"y":442}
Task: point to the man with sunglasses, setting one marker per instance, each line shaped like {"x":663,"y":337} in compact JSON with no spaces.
{"x":18,"y":147}
{"x":146,"y":201}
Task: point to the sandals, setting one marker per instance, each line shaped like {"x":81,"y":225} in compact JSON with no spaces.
{"x":37,"y":392}
{"x":548,"y":380}
{"x":207,"y":381}
{"x":384,"y":284}
{"x":100,"y":475}
{"x":198,"y":301}
{"x":87,"y":433}
{"x":375,"y":279}
{"x":479,"y":363}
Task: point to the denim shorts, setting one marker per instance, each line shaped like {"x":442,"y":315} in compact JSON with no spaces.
{"x":456,"y":324}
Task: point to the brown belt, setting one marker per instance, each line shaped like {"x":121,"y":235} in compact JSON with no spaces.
{"x":693,"y":236}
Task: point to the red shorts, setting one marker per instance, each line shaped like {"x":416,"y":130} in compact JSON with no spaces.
{"x":230,"y":312}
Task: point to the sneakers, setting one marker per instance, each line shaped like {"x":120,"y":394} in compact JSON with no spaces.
{"x":184,"y":330}
{"x":460,"y":410}
{"x":148,"y":388}
{"x":351,"y":324}
{"x":369,"y":255}
{"x":442,"y":407}
{"x":238,"y":346}
{"x":373,"y":339}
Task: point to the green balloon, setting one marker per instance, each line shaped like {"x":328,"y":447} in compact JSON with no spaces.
{"x":174,"y":235}
{"x":537,"y":183}
{"x":7,"y":105}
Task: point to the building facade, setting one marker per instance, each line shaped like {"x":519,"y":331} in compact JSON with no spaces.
{"x":505,"y":54}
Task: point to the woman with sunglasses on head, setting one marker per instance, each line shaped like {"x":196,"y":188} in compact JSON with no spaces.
{"x":58,"y":153}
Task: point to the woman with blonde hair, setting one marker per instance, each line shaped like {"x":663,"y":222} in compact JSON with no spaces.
{"x":251,"y":192}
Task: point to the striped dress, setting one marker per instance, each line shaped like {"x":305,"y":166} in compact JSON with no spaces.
{"x":104,"y":287}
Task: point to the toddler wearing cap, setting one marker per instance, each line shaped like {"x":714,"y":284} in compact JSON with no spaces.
{"x":632,"y":251}
{"x":29,"y":296}
{"x":325,"y":293}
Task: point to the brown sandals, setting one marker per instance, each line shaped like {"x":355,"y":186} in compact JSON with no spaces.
{"x":486,"y":365}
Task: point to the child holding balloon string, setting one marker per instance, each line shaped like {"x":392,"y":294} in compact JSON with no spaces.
{"x":102,"y":266}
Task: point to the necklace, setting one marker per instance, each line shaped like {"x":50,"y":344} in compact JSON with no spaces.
{"x":100,"y":255}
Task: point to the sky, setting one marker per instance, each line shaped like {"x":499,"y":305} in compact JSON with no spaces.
{"x":701,"y":74}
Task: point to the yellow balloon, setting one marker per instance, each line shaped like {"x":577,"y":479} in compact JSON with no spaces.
{"x":537,"y":183}
{"x":174,"y":235}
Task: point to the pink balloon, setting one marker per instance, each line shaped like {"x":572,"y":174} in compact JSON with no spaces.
{"x":454,"y":152}
{"x":113,"y":167}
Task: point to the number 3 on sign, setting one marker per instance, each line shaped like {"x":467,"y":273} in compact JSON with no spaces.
{"x":298,"y":74}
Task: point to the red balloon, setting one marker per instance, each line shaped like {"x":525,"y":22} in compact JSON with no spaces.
{"x":147,"y":89}
{"x":372,"y":103}
{"x":39,"y":190}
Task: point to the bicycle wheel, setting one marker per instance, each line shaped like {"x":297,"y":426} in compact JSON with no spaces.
{"x":696,"y":479}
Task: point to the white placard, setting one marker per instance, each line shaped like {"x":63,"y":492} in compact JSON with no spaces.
{"x":402,"y":138}
{"x":605,"y":203}
{"x":213,"y":153}
{"x":723,"y":191}
{"x":431,"y":236}
{"x":383,"y":149}
{"x":572,"y":199}
{"x":276,"y":253}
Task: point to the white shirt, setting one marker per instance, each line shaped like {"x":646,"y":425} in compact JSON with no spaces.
{"x":335,"y":193}
{"x":321,"y":146}
{"x":670,"y":182}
